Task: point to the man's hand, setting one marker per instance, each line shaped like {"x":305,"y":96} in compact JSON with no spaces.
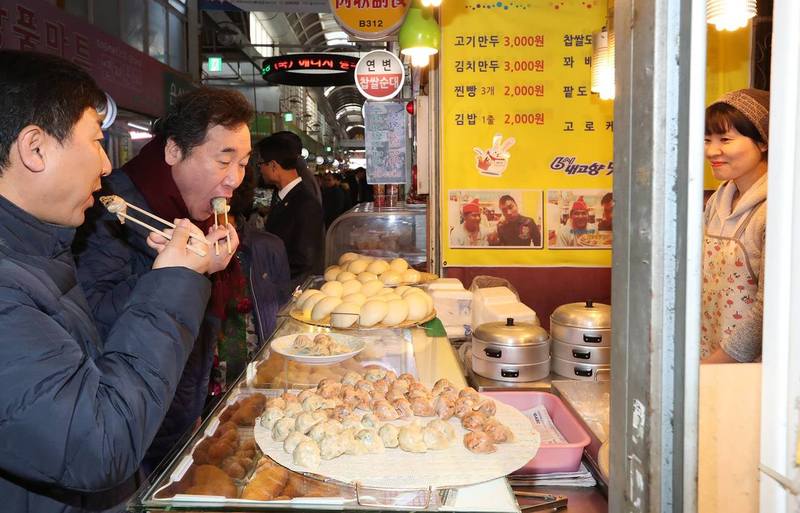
{"x":174,"y":252}
{"x":220,"y":262}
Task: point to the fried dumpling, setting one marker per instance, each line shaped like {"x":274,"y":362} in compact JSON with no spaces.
{"x":464,"y":405}
{"x":487,"y":407}
{"x":479,"y":442}
{"x":422,"y":407}
{"x":474,"y":421}
{"x":403,"y":408}
{"x":442,"y":385}
{"x":374,"y":374}
{"x":384,"y":410}
{"x":351,"y":378}
{"x":444,"y":407}
{"x":497,"y":431}
{"x":471,"y":393}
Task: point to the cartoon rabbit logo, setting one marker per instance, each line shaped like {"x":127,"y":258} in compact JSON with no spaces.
{"x":494,"y":161}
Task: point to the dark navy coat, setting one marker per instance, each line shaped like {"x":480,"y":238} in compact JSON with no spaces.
{"x":78,"y":411}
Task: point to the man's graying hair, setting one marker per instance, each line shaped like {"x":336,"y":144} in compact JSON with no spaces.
{"x":191,"y":116}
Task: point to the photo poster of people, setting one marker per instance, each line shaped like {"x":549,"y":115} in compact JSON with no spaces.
{"x":497,"y":218}
{"x":579,"y":218}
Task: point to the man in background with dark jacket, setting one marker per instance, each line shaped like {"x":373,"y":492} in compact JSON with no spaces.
{"x":296,"y":216}
{"x":199,"y":152}
{"x":78,"y":410}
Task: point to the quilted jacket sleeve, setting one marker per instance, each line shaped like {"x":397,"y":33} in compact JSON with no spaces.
{"x":92,"y":419}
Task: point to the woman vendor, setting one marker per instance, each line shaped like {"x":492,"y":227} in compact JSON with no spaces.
{"x":736,"y":139}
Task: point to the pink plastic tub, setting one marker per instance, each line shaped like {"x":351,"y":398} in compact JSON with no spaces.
{"x":556,"y":457}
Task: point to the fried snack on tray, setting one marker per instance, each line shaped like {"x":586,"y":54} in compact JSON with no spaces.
{"x":268,"y":481}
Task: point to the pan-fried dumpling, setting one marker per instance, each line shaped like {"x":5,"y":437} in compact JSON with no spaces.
{"x":400,"y":386}
{"x":412,"y":439}
{"x":487,"y":407}
{"x":329,"y":390}
{"x":371,"y":439}
{"x":464,"y":405}
{"x":352,"y":422}
{"x":442,"y":385}
{"x":271,"y":416}
{"x":480,"y":442}
{"x":403,"y":408}
{"x":305,"y":421}
{"x":307,"y":454}
{"x":384,"y":410}
{"x":289,"y":397}
{"x":329,"y":404}
{"x":474,"y":421}
{"x":282,"y":428}
{"x":444,"y":407}
{"x":341,"y":412}
{"x":389,"y":434}
{"x":471,"y":393}
{"x":381,"y":386}
{"x":497,"y":431}
{"x":294,"y":438}
{"x":333,"y":446}
{"x":305,"y":394}
{"x":366,"y":386}
{"x":422,"y":407}
{"x":351,"y":378}
{"x":355,"y":398}
{"x":373,"y":374}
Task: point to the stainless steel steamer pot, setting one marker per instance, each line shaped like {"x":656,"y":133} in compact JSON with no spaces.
{"x":510,"y":351}
{"x":581,"y":354}
{"x":582,"y":324}
{"x":581,"y":371}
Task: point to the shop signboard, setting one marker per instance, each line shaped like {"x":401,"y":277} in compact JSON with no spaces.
{"x":385,"y":142}
{"x":527,"y":150}
{"x":136,"y":81}
{"x":379,"y":75}
{"x":370,"y":20}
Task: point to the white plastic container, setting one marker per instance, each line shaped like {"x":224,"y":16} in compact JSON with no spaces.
{"x":453,"y":307}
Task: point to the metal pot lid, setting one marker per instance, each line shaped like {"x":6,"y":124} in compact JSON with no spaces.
{"x":587,"y":314}
{"x":511,"y":333}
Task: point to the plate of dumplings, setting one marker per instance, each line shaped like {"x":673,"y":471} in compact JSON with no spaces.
{"x":383,"y":430}
{"x":320,"y":349}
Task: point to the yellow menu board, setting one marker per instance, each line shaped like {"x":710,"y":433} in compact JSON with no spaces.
{"x":526,"y":147}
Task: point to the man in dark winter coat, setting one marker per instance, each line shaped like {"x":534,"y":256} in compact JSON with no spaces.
{"x":78,"y":410}
{"x":296,"y":216}
{"x":199,"y":152}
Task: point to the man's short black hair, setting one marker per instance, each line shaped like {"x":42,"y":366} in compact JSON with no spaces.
{"x":42,"y":90}
{"x":506,"y":197}
{"x":282,"y":147}
{"x":607,"y":198}
{"x":188,"y":119}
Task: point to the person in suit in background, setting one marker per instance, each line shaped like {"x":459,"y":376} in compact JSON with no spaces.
{"x":296,"y":216}
{"x":309,"y":180}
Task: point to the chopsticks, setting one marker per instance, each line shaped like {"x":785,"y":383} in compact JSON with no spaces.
{"x":220,"y":206}
{"x":118,"y":206}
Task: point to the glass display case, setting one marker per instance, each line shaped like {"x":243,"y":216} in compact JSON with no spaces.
{"x":222,"y":467}
{"x":383,"y":232}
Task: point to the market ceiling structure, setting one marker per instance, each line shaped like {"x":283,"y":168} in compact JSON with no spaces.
{"x":227,"y":34}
